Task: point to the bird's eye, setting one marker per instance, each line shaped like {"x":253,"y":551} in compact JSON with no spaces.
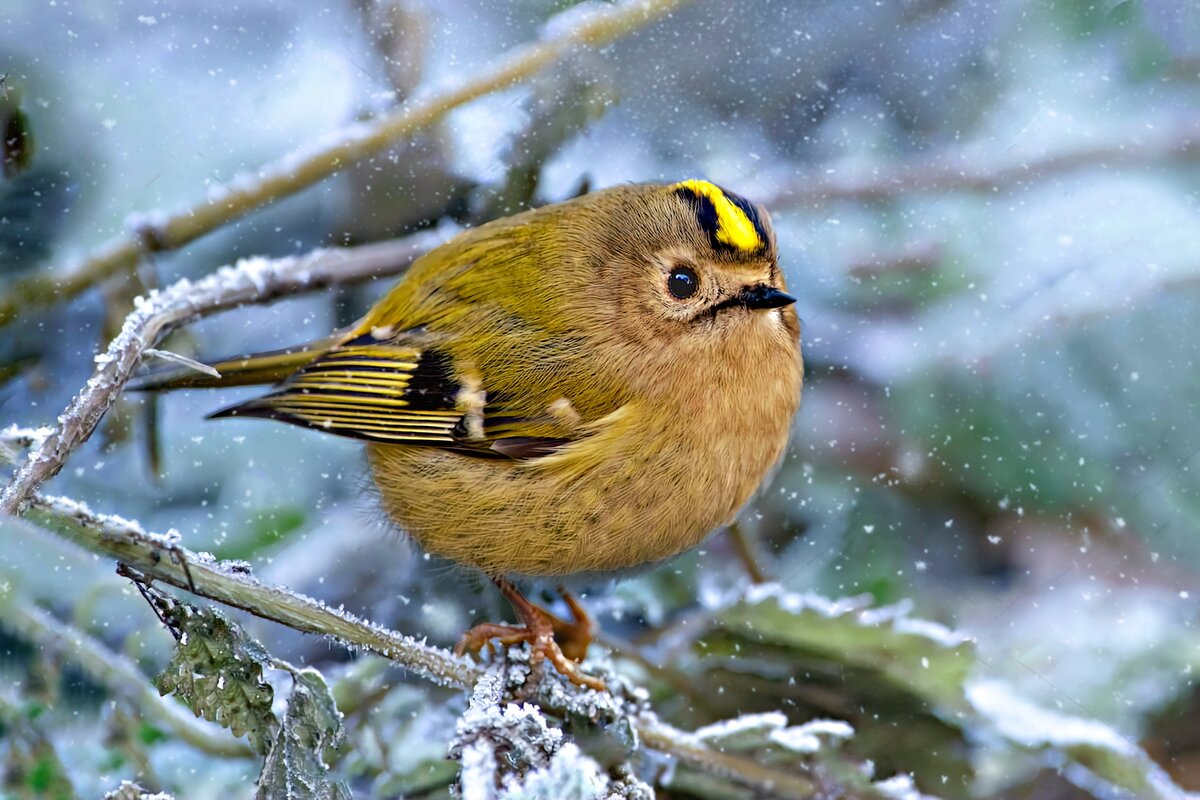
{"x":683,"y":282}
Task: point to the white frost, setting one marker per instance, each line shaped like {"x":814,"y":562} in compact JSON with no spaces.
{"x":1022,"y":722}
{"x":807,"y":738}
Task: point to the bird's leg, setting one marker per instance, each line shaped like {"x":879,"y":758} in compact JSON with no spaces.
{"x":538,"y":629}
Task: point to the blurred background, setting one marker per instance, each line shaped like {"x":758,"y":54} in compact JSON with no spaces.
{"x":989,"y":212}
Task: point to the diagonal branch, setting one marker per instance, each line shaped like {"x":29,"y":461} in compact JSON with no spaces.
{"x":250,"y":281}
{"x":159,"y":557}
{"x":294,"y":172}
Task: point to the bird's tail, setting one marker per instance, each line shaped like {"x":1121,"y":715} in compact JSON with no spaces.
{"x":247,"y":370}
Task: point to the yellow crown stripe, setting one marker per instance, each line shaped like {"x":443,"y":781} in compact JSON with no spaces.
{"x":734,"y":228}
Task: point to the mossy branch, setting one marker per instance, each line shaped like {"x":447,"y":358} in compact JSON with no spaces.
{"x":286,"y":176}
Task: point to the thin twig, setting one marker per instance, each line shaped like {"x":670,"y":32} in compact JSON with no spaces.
{"x":119,"y":675}
{"x":127,"y":543}
{"x":14,"y":439}
{"x":288,"y":175}
{"x":250,"y":281}
{"x":745,"y":546}
{"x":965,"y":172}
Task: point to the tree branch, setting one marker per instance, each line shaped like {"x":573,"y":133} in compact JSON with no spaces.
{"x":965,"y":172}
{"x":160,"y":557}
{"x":290,"y":174}
{"x":250,"y":281}
{"x":120,"y":675}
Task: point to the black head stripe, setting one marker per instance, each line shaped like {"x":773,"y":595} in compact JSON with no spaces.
{"x":706,"y":215}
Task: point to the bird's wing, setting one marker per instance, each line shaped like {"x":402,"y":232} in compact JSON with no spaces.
{"x":402,"y":393}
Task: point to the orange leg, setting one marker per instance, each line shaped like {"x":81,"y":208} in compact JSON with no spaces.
{"x":538,"y":628}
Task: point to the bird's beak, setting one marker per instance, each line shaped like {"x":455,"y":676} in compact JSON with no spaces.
{"x":763,"y":297}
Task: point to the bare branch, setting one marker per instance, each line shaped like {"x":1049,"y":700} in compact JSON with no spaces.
{"x":290,"y":174}
{"x":159,"y":557}
{"x":250,"y":281}
{"x":966,"y":172}
{"x":120,"y":675}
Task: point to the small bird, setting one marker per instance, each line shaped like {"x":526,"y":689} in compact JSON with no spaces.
{"x":585,"y":387}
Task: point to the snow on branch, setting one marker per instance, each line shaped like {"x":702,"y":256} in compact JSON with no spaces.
{"x":285,"y":176}
{"x":253,"y":280}
{"x":160,"y":557}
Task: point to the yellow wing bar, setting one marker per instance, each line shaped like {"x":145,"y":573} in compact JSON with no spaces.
{"x":379,"y":392}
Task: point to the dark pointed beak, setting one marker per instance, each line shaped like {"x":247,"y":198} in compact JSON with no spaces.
{"x":763,"y":297}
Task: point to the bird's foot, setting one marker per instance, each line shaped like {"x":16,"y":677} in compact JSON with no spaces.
{"x":539,"y":630}
{"x":576,"y":636}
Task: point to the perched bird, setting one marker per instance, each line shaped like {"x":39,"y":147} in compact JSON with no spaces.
{"x":581,"y":388}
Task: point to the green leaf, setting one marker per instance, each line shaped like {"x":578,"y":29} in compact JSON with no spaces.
{"x":914,"y":656}
{"x":218,"y":671}
{"x":294,"y":767}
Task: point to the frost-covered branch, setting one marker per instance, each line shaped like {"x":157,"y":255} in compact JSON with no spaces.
{"x":160,"y":557}
{"x":116,"y":672}
{"x":286,"y":176}
{"x":965,"y":171}
{"x":249,"y":281}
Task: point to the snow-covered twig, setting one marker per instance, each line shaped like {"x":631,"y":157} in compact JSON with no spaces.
{"x":14,"y":438}
{"x":159,"y":557}
{"x":290,"y":174}
{"x":249,"y":281}
{"x":120,"y":675}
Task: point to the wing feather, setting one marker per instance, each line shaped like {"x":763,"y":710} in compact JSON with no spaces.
{"x":380,"y":392}
{"x":398,"y":393}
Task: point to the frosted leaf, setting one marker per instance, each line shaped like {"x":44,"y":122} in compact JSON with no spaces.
{"x":294,"y":769}
{"x":217,"y":671}
{"x":569,"y":775}
{"x":808,"y":738}
{"x":748,"y":730}
{"x":1098,"y":754}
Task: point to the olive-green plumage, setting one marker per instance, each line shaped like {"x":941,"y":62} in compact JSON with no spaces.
{"x":584,"y":387}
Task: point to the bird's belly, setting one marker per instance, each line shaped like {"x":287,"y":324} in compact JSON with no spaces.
{"x":507,"y":517}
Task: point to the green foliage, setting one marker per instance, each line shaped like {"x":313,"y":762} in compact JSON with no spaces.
{"x":294,"y":768}
{"x":31,"y":768}
{"x":907,"y":655}
{"x":218,"y":671}
{"x":884,"y":672}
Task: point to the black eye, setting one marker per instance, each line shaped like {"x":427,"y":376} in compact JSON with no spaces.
{"x":683,"y":282}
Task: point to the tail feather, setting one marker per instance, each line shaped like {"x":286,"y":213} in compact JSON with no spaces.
{"x":247,"y":370}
